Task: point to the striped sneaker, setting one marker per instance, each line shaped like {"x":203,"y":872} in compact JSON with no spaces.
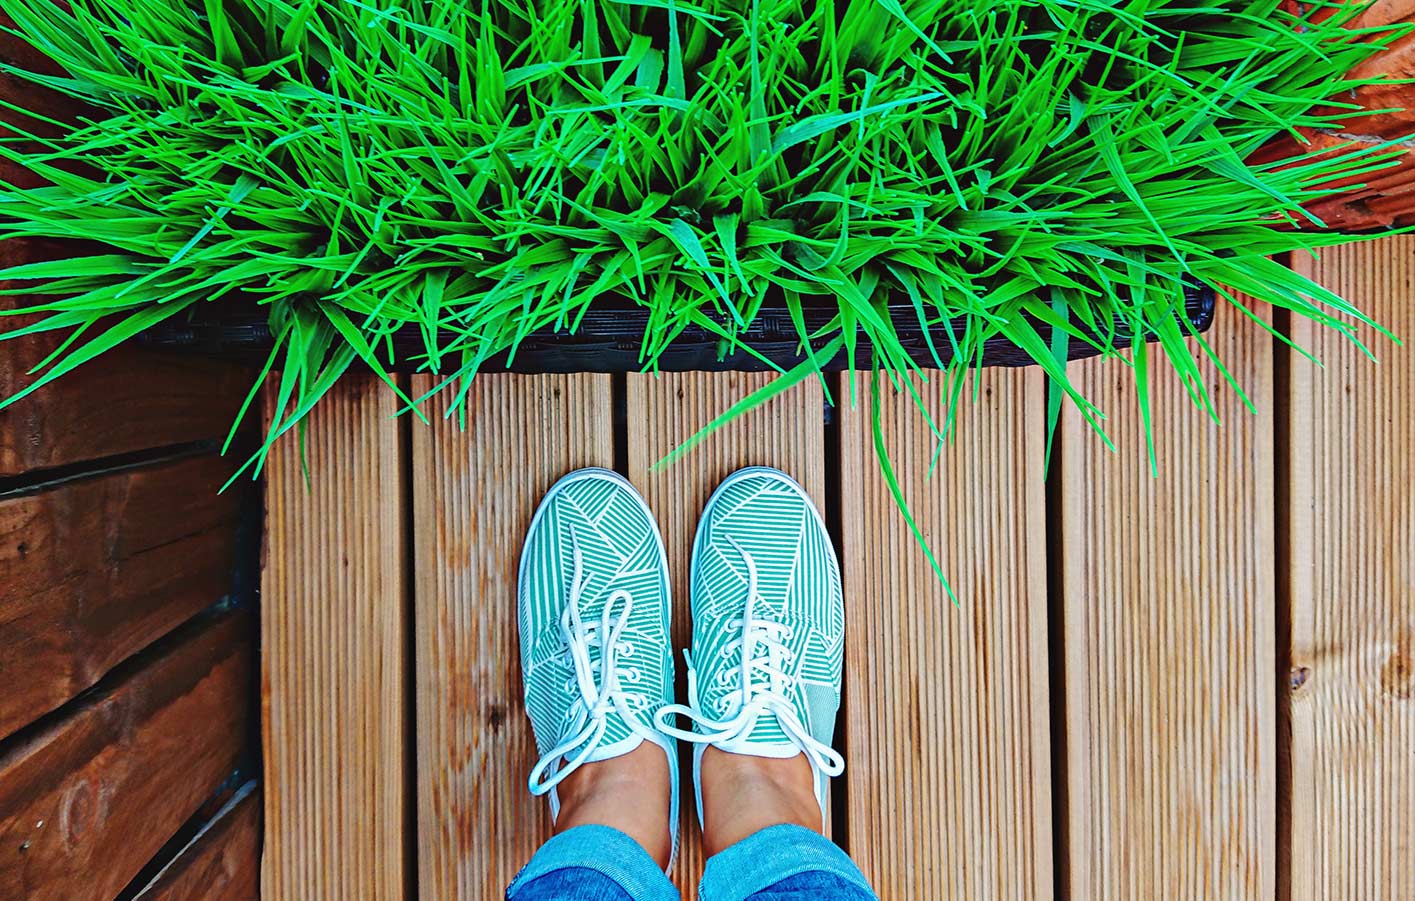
{"x":594,"y":610}
{"x":768,"y":628}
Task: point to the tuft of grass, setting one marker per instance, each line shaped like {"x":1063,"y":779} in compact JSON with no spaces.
{"x":474,"y":170}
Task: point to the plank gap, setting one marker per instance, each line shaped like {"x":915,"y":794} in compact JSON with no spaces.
{"x":1054,"y":493}
{"x":219,"y":861}
{"x":405,"y":423}
{"x":619,"y":401}
{"x":37,"y":480}
{"x":834,"y":524}
{"x":1282,"y":589}
{"x":123,"y":670}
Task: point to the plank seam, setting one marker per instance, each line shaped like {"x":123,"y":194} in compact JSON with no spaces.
{"x":619,"y":411}
{"x":120,"y":671}
{"x":410,"y":657}
{"x":39,"y":480}
{"x":1053,"y":492}
{"x":1282,"y":592}
{"x":834,"y":523}
{"x":189,"y":834}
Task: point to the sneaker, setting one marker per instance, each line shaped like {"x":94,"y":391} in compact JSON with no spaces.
{"x":594,"y":610}
{"x":768,"y":628}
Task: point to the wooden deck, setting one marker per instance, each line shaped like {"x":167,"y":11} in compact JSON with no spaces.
{"x":1200,"y":685}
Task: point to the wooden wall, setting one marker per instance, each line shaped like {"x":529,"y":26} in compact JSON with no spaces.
{"x":127,"y":642}
{"x":127,"y":650}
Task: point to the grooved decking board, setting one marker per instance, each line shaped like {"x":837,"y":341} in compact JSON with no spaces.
{"x":95,"y":569}
{"x":1168,"y":615}
{"x":221,"y":862}
{"x":89,"y":797}
{"x":1352,"y":656}
{"x":474,"y":492}
{"x":947,"y":736}
{"x":332,"y":653}
{"x":664,"y":411}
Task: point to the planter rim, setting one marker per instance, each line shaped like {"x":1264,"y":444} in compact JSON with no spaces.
{"x":609,"y":340}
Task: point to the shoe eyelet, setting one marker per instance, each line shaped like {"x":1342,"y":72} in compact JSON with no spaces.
{"x":625,"y":647}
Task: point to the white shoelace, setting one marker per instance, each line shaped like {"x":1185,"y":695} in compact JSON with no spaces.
{"x":597,"y":700}
{"x":764,"y":690}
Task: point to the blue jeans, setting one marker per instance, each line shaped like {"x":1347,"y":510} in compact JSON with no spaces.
{"x":782,"y":863}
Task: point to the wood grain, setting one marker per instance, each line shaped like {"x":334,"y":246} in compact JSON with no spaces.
{"x":333,"y":631}
{"x":665,"y":410}
{"x":96,"y":569}
{"x":86,"y":801}
{"x":947,"y":734}
{"x":1168,"y":608}
{"x":222,"y":861}
{"x":1352,"y":655}
{"x":473,"y":497}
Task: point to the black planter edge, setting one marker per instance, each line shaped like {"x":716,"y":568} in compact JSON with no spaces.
{"x":609,"y":340}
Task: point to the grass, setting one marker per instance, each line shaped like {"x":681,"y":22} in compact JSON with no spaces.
{"x":478,"y":169}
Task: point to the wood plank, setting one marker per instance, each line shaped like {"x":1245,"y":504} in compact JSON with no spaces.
{"x":947,"y":737}
{"x":128,"y":400}
{"x":86,"y":801}
{"x":222,"y":861}
{"x":665,"y":410}
{"x":1168,"y":609}
{"x":333,"y":630}
{"x":474,"y":495}
{"x":98,"y":568}
{"x":1352,"y":654}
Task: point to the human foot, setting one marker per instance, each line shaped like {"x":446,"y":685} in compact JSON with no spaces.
{"x":594,"y":607}
{"x":631,"y":793}
{"x":743,"y":794}
{"x":764,"y":672}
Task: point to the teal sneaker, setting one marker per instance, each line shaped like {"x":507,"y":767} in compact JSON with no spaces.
{"x":594,"y":609}
{"x":768,"y":628}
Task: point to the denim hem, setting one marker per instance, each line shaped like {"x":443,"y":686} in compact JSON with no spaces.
{"x":606,"y":851}
{"x":764,"y":858}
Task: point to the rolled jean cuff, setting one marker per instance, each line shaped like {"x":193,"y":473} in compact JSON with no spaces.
{"x":764,"y":858}
{"x":608,"y":852}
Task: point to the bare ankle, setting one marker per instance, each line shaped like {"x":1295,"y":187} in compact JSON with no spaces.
{"x":743,"y":794}
{"x":629,"y":793}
